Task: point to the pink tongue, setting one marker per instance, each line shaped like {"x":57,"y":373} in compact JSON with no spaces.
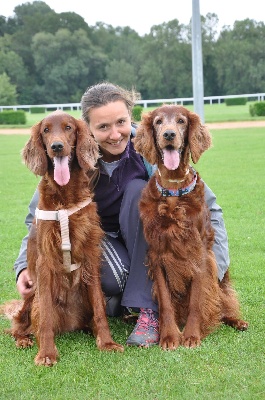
{"x":171,"y":159}
{"x":61,"y":170}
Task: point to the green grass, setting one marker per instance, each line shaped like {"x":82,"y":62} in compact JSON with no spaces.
{"x":212,"y":113}
{"x":228,"y":365}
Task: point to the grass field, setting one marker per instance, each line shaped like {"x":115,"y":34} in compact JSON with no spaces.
{"x":228,"y":365}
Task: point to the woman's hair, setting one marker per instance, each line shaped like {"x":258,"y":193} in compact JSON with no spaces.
{"x":103,"y":93}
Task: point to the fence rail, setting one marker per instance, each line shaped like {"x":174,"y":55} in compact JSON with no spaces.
{"x":145,"y":103}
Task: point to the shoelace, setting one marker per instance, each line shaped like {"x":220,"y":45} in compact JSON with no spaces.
{"x":146,"y":320}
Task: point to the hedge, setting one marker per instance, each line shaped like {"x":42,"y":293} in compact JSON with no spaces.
{"x":13,"y":117}
{"x":137,"y":113}
{"x":236,"y":101}
{"x":257,"y":109}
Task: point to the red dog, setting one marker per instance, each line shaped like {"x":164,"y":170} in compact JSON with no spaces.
{"x":64,"y":248}
{"x":178,"y":231}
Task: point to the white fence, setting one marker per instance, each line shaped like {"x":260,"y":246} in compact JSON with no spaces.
{"x":145,"y":103}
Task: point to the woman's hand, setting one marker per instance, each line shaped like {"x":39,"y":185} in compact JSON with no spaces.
{"x":24,"y":283}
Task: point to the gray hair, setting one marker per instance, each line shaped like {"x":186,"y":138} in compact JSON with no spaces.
{"x":103,"y":93}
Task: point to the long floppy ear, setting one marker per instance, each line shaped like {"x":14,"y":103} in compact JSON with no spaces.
{"x":33,"y":153}
{"x":144,"y":140}
{"x":199,"y":137}
{"x":87,"y":151}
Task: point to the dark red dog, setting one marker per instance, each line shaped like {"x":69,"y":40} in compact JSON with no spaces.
{"x":178,"y":231}
{"x":64,"y":248}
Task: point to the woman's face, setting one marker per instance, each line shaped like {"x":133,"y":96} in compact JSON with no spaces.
{"x":111,"y":127}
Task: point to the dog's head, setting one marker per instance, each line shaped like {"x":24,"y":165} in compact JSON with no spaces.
{"x":59,"y":137}
{"x":166,"y":132}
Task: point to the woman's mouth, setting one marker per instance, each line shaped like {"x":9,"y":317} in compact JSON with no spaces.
{"x":115,"y":144}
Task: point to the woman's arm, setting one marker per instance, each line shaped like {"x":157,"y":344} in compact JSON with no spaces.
{"x":24,"y":283}
{"x":220,"y":246}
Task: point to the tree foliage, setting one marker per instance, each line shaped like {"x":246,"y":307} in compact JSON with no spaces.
{"x":8,"y":94}
{"x":52,"y":58}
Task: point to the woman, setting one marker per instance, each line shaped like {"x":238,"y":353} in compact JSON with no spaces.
{"x":119,"y":180}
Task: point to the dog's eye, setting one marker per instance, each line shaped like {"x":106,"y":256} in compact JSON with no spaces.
{"x":181,"y":121}
{"x":68,"y":128}
{"x":159,"y":122}
{"x":46,"y":130}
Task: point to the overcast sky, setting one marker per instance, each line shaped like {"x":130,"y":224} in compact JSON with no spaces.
{"x":141,"y":15}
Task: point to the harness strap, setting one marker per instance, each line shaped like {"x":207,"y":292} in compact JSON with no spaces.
{"x":62,"y":217}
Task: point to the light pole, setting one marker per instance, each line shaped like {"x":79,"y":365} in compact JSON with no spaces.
{"x":197,"y":65}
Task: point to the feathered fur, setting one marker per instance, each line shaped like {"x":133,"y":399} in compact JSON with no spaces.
{"x":178,"y":231}
{"x":62,"y":301}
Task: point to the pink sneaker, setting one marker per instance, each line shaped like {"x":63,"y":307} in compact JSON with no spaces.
{"x":146,"y":330}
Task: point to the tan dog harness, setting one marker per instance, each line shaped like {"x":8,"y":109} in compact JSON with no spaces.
{"x":62,"y":217}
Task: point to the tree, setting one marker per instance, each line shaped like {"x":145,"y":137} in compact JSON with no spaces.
{"x":240,"y":58}
{"x":121,"y":73}
{"x":12,"y":64}
{"x":66,"y":64}
{"x":8,"y":95}
{"x":165,"y":62}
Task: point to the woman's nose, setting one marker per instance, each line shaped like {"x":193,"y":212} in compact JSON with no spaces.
{"x":114,"y":134}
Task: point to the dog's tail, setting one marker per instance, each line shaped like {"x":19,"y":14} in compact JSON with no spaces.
{"x":11,"y":308}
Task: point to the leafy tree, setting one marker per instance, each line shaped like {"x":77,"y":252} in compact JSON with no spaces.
{"x":12,"y":64}
{"x":73,"y":63}
{"x":52,"y":57}
{"x":169,"y":61}
{"x":240,"y":58}
{"x":209,"y":37}
{"x":121,"y":73}
{"x":8,"y":95}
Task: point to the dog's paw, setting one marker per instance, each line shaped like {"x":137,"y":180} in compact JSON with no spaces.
{"x":24,"y":342}
{"x":191,"y":342}
{"x":46,"y":360}
{"x":170,"y":341}
{"x":235,"y":323}
{"x":111,"y":346}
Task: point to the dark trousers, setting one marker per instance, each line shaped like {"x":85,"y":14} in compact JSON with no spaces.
{"x":123,"y":268}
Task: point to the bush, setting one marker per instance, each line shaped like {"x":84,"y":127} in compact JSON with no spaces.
{"x":137,"y":113}
{"x":236,"y":101}
{"x":13,"y":117}
{"x":37,"y":110}
{"x":257,"y":109}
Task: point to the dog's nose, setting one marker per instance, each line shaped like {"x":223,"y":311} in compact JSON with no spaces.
{"x":169,"y":135}
{"x":57,"y":146}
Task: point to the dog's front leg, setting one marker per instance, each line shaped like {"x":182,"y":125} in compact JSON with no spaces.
{"x":101,"y":328}
{"x":42,"y":315}
{"x":170,"y":335}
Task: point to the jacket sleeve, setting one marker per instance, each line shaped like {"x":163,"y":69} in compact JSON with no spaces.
{"x":220,"y":246}
{"x":21,"y":261}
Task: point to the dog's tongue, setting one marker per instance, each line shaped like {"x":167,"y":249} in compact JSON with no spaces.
{"x":171,"y":159}
{"x":61,"y":170}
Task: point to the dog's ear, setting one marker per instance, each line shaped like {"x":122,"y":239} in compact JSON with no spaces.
{"x":33,"y":153}
{"x":87,"y":151}
{"x":144,"y":140}
{"x":199,"y":137}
